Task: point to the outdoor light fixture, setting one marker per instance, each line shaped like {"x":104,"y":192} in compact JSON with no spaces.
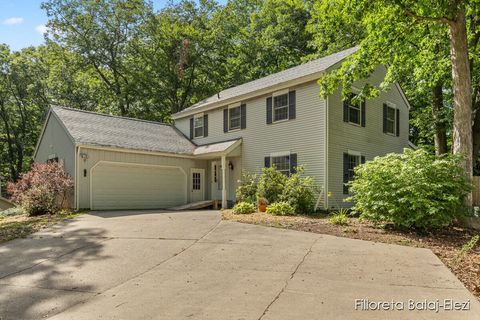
{"x":230,"y":165}
{"x":84,"y":156}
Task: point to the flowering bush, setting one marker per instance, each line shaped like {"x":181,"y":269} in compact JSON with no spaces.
{"x":43,"y":189}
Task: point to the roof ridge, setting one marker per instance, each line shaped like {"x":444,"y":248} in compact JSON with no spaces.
{"x":217,"y":97}
{"x":111,"y":115}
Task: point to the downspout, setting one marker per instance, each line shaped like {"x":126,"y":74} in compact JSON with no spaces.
{"x":327,"y":171}
{"x":77,"y":193}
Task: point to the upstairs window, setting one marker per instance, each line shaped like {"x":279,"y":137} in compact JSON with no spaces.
{"x":391,"y":120}
{"x":353,"y":110}
{"x":234,"y":116}
{"x":280,"y":107}
{"x":198,"y":126}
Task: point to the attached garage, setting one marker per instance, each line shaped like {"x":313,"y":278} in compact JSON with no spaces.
{"x":136,"y":186}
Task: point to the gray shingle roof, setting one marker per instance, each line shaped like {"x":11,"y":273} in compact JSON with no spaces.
{"x":300,"y":71}
{"x":98,"y":129}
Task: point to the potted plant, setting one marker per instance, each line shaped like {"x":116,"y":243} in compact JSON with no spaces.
{"x":262,"y":204}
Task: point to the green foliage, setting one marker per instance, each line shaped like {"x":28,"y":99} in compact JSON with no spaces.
{"x":281,"y":208}
{"x":247,"y":188}
{"x":300,"y":191}
{"x":15,"y":211}
{"x":271,"y":184}
{"x":413,"y":189}
{"x":243,"y":208}
{"x":466,"y":248}
{"x":339,"y":218}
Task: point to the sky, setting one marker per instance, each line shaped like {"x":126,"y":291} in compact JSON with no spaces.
{"x":22,"y":22}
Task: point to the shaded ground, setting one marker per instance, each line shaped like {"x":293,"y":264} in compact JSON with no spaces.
{"x":19,"y":226}
{"x":445,"y":243}
{"x":193,"y":265}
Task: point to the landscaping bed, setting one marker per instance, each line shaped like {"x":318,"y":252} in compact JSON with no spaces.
{"x":445,"y":243}
{"x":21,"y":225}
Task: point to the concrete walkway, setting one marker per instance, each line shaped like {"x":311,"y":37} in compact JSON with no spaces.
{"x":190,"y":265}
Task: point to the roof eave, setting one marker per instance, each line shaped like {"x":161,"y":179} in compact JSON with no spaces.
{"x":249,"y":95}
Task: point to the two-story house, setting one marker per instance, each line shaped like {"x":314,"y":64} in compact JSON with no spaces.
{"x":280,"y":120}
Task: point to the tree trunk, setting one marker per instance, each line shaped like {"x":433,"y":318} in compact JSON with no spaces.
{"x":462,"y":120}
{"x":440,"y":134}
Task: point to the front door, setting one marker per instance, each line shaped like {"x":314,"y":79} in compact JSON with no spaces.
{"x":197,"y":185}
{"x":216,"y":183}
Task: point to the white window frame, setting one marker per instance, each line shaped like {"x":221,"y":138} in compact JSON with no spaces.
{"x":355,"y":92}
{"x":239,"y":117}
{"x":357,"y":155}
{"x":277,"y":94}
{"x":195,"y":127}
{"x":278,"y":155}
{"x":394,"y":107}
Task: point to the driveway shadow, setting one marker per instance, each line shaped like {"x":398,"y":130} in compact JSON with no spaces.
{"x":38,"y":274}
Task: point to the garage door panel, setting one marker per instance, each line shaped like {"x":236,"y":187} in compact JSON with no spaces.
{"x":129,"y":186}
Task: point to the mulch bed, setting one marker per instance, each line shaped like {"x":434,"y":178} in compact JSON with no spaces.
{"x":445,"y":243}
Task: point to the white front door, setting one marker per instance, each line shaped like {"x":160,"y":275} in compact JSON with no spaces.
{"x":197,"y":184}
{"x":216,"y":182}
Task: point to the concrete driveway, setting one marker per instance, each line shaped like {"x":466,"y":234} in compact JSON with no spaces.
{"x":191,"y":265}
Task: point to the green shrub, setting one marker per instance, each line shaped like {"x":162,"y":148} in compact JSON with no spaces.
{"x":413,"y":189}
{"x":339,"y":218}
{"x":281,"y":208}
{"x":300,"y":192}
{"x":271,"y":184}
{"x":247,"y":189}
{"x":243,"y":208}
{"x":15,"y":211}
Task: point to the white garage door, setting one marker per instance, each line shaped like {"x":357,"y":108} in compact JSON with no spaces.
{"x":131,"y":186}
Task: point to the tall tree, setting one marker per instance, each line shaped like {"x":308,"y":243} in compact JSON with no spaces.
{"x":406,"y":19}
{"x":101,"y":32}
{"x":23,"y":101}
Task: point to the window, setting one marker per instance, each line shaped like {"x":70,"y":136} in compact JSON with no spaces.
{"x":353,"y":109}
{"x":353,"y":161}
{"x":198,"y":126}
{"x":196,"y":181}
{"x":234,"y":115}
{"x":391,"y":119}
{"x":280,"y":107}
{"x":281,"y":163}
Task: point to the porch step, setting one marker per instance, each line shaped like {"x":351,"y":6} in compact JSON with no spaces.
{"x":196,"y":205}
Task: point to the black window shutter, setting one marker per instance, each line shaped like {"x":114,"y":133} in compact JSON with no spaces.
{"x":293,"y":163}
{"x":267,"y":162}
{"x":269,"y":110}
{"x":398,"y":122}
{"x":243,"y":113}
{"x":362,"y":110}
{"x":225,"y":120}
{"x":292,"y":112}
{"x":345,"y":110}
{"x":191,"y":128}
{"x":205,"y":125}
{"x":385,"y":110}
{"x":345,"y":173}
{"x":362,"y":159}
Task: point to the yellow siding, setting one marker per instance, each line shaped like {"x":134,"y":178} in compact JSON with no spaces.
{"x":95,"y":155}
{"x":369,"y":141}
{"x":55,"y":140}
{"x":304,"y":135}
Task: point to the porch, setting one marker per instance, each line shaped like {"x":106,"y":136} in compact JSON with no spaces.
{"x":219,"y":181}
